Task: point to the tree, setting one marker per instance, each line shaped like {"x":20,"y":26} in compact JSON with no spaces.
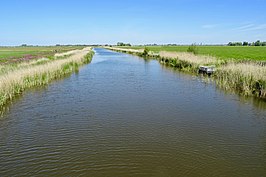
{"x":230,"y":44}
{"x":123,"y":44}
{"x":120,"y":44}
{"x":245,"y":43}
{"x":239,"y":44}
{"x":258,"y":43}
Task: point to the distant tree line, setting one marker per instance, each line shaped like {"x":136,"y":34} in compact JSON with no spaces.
{"x":123,"y":44}
{"x":257,"y":43}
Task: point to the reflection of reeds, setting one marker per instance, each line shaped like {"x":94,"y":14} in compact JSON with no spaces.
{"x":16,"y":81}
{"x":246,"y":78}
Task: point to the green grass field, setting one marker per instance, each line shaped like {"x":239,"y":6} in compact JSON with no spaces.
{"x":7,"y":54}
{"x":223,"y":52}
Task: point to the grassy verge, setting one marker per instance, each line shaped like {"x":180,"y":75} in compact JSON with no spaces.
{"x":20,"y":54}
{"x":247,"y":77}
{"x":15,"y":81}
{"x":221,"y":52}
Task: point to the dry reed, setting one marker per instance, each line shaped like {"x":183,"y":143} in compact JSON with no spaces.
{"x":191,"y":58}
{"x":139,"y":51}
{"x":246,"y":78}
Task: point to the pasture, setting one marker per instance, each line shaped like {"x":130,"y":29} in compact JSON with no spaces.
{"x":14,"y":54}
{"x":222,"y":52}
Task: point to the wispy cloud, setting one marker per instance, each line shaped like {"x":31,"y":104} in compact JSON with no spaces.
{"x":251,"y":27}
{"x":245,"y":27}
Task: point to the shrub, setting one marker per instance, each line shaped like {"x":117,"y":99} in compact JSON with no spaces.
{"x":193,"y":49}
{"x":146,"y":52}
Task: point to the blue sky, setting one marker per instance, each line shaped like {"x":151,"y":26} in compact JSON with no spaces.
{"x":52,"y":22}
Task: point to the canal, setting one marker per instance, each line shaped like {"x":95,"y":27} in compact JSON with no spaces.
{"x":125,"y":116}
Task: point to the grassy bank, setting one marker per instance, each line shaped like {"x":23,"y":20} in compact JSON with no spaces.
{"x":221,"y":52}
{"x":21,"y":54}
{"x":247,"y":77}
{"x":14,"y":81}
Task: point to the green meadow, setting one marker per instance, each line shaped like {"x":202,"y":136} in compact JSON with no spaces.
{"x":222,"y":52}
{"x":9,"y":54}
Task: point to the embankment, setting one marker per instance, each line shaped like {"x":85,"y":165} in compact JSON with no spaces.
{"x":244,"y":77}
{"x":15,"y":81}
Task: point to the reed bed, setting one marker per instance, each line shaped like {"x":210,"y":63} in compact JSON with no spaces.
{"x":72,"y":52}
{"x":15,"y":66}
{"x":187,"y":61}
{"x":125,"y":50}
{"x":16,"y":81}
{"x":191,"y":58}
{"x":246,"y":78}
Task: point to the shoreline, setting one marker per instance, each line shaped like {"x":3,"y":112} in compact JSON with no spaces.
{"x":15,"y":81}
{"x":247,"y":78}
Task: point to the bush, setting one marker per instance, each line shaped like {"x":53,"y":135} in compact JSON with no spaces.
{"x":193,"y":49}
{"x":146,"y":52}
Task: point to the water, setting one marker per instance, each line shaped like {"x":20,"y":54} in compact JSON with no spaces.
{"x":124,"y":116}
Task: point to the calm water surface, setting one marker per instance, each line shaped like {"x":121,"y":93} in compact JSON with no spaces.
{"x":124,"y":116}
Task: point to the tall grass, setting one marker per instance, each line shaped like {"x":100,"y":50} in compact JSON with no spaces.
{"x":187,"y":61}
{"x":126,"y":50}
{"x":72,"y":52}
{"x":191,"y":58}
{"x":16,"y":81}
{"x":245,"y":78}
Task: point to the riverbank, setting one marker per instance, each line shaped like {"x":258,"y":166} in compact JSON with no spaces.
{"x":124,"y":116}
{"x":255,"y":53}
{"x":19,"y":54}
{"x":244,"y":77}
{"x":14,"y":80}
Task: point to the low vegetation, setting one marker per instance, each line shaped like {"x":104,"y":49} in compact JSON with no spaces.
{"x":187,"y":61}
{"x":146,"y":52}
{"x":15,"y":79}
{"x":245,"y":78}
{"x":26,"y":53}
{"x":193,"y":49}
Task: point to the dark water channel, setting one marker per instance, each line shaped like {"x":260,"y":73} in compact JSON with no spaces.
{"x":124,"y":116}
